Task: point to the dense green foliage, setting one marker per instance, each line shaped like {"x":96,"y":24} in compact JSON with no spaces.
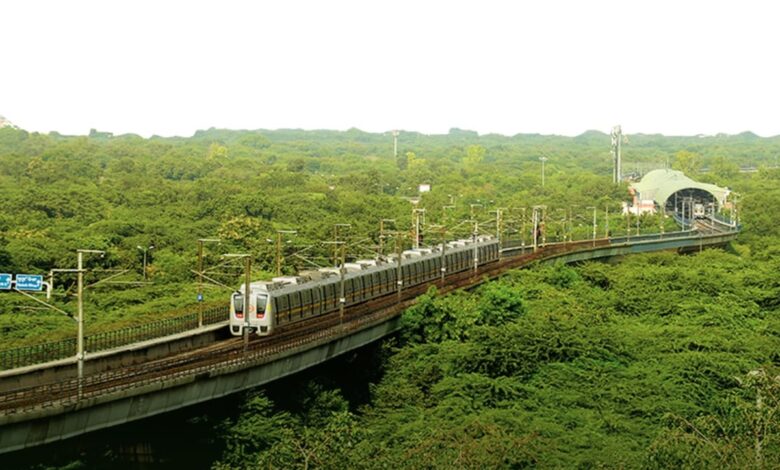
{"x":642,"y":364}
{"x":659,"y":361}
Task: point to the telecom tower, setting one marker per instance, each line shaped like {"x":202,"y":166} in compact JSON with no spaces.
{"x":395,"y":144}
{"x":617,"y":137}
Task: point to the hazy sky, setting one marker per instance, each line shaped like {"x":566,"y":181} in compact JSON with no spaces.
{"x":560,"y":67}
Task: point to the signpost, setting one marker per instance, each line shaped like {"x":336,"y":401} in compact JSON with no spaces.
{"x":29,"y":282}
{"x":5,"y":281}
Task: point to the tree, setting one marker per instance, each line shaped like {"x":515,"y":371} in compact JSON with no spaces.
{"x":687,"y":162}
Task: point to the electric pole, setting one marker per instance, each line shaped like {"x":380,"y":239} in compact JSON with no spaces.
{"x":617,"y":137}
{"x":201,"y":241}
{"x":279,"y":249}
{"x":80,"y":318}
{"x":336,"y":228}
{"x":382,"y":234}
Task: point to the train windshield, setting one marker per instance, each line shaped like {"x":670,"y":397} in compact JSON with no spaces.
{"x":260,"y":301}
{"x":238,"y":304}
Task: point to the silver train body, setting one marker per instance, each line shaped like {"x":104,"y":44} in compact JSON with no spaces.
{"x":285,"y":300}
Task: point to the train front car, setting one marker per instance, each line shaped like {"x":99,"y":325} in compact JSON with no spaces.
{"x":260,"y":314}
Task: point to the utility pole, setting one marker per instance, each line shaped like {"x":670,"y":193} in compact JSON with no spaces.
{"x":279,"y":248}
{"x":247,"y":291}
{"x":398,"y":253}
{"x":336,"y":228}
{"x":474,"y":235}
{"x":444,"y":210}
{"x":382,"y":234}
{"x":594,"y":224}
{"x":663,"y":219}
{"x":472,"y":206}
{"x":542,"y":159}
{"x":443,"y":231}
{"x":522,"y":239}
{"x":395,"y":144}
{"x":538,"y":221}
{"x":606,"y":221}
{"x":342,"y":273}
{"x":145,"y":250}
{"x":417,"y":213}
{"x":80,"y":317}
{"x":201,"y":241}
{"x":498,"y":213}
{"x":617,"y":137}
{"x":628,"y":223}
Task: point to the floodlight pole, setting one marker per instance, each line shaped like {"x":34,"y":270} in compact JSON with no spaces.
{"x":80,"y":318}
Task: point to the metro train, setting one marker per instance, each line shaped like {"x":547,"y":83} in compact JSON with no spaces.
{"x":291,"y":299}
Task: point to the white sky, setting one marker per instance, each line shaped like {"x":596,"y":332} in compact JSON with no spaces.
{"x":561,"y":67}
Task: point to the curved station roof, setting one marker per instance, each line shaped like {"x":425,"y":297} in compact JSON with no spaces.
{"x":660,"y":185}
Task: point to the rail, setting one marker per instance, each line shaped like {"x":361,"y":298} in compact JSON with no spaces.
{"x":55,"y":350}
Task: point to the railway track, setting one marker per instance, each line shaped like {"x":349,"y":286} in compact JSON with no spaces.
{"x":231,"y":354}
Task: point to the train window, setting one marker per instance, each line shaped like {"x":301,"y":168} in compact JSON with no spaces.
{"x":238,"y":304}
{"x":260,"y":302}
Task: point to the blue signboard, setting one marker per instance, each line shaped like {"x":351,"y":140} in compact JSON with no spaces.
{"x":5,"y":281}
{"x":29,"y":282}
